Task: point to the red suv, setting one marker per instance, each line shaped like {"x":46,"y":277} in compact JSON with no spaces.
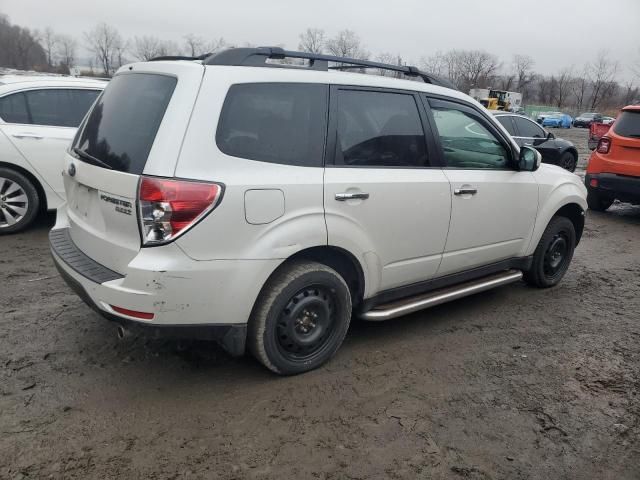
{"x":614,"y":167}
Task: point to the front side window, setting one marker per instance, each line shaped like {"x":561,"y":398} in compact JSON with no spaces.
{"x":379,"y":129}
{"x":275,"y":122}
{"x":13,"y":109}
{"x":465,"y":142}
{"x":527,"y":128}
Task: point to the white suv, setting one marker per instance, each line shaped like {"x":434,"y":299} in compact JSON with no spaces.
{"x":39,"y":116}
{"x":262,"y":204}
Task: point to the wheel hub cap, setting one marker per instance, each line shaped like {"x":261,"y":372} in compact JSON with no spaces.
{"x":14,"y":202}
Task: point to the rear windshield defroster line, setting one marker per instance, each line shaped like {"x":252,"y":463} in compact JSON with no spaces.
{"x":122,"y":126}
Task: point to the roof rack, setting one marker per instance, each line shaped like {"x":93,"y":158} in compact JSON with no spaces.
{"x":257,"y":57}
{"x":180,"y":57}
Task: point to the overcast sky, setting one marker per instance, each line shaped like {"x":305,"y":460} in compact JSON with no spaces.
{"x":556,"y":33}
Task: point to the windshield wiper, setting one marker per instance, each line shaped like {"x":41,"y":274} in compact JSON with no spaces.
{"x":91,"y":159}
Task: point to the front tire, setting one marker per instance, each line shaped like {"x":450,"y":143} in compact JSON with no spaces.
{"x":19,"y":201}
{"x":300,"y":318}
{"x":553,"y":254}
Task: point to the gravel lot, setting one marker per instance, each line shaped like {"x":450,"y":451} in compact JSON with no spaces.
{"x":515,"y":383}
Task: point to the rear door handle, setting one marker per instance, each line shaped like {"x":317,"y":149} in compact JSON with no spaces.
{"x":465,"y":191}
{"x":341,"y":197}
{"x":27,"y":135}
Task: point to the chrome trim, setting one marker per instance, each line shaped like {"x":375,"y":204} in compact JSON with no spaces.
{"x":341,"y":197}
{"x":414,"y":304}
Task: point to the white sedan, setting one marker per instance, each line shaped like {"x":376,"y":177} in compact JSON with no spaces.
{"x":39,"y":116}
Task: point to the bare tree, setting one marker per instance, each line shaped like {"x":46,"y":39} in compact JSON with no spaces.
{"x":49,"y":40}
{"x":312,"y":40}
{"x":523,"y":68}
{"x":435,"y":64}
{"x":196,"y":45}
{"x":564,"y":86}
{"x":347,"y":44}
{"x":604,"y":71}
{"x":146,"y":47}
{"x":66,"y":47}
{"x":19,"y":47}
{"x":581,"y":85}
{"x":107,"y":46}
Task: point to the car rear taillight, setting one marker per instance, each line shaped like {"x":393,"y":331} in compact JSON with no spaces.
{"x":168,"y":207}
{"x":604,"y":145}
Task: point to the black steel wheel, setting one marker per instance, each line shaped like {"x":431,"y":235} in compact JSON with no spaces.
{"x":568,"y":161}
{"x":553,"y":254}
{"x":300,"y":317}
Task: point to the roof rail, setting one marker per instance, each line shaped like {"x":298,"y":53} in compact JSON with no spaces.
{"x":180,"y":57}
{"x":257,"y":57}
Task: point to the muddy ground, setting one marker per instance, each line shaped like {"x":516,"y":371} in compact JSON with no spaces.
{"x":516,"y":383}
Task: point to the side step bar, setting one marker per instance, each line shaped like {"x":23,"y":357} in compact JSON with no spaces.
{"x":413,"y":304}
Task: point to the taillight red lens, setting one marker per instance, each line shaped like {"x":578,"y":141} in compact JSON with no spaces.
{"x":604,"y":145}
{"x":168,"y":207}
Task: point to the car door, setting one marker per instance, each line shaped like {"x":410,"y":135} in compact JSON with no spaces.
{"x":530,"y":134}
{"x":384,"y":196}
{"x":53,"y":115}
{"x":493,"y":206}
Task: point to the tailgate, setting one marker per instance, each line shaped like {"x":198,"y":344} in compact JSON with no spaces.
{"x":136,"y":127}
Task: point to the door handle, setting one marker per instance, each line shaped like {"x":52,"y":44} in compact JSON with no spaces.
{"x":27,"y":135}
{"x":465,"y":191}
{"x":341,"y":197}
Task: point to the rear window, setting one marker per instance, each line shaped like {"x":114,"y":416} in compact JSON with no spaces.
{"x":274,"y":122}
{"x":122,"y":125}
{"x":628,"y":124}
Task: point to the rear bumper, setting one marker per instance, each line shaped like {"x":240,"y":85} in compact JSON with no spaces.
{"x":231,"y":337}
{"x":623,"y":187}
{"x":209,"y":300}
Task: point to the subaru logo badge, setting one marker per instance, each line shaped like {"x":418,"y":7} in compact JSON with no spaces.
{"x":72,"y":170}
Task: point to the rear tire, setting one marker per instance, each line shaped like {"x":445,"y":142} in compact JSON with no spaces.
{"x":553,"y":254}
{"x":300,"y":318}
{"x":19,"y":201}
{"x":598,"y":201}
{"x":568,"y":161}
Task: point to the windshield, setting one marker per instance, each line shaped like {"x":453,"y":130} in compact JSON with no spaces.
{"x":588,"y":115}
{"x":121,"y":128}
{"x":628,"y":124}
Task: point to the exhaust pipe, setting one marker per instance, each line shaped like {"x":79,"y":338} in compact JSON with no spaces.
{"x":122,"y":332}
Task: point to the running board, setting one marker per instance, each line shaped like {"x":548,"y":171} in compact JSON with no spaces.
{"x":413,"y":304}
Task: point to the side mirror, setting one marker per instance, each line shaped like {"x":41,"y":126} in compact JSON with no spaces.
{"x":529,"y":159}
{"x":550,"y":136}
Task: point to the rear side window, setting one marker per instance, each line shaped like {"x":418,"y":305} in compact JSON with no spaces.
{"x":13,"y":109}
{"x":275,"y":122}
{"x":59,"y":107}
{"x":628,"y":124}
{"x":379,"y":129}
{"x":528,"y":129}
{"x":122,"y":126}
{"x":507,"y":123}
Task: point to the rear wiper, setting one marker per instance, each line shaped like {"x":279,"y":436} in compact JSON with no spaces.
{"x":90,"y":158}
